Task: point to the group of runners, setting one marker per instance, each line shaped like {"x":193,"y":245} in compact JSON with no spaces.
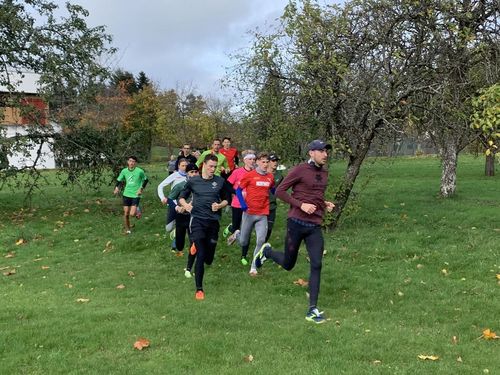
{"x":202,"y":188}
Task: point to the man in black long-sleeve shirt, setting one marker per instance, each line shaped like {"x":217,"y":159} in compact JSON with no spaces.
{"x":210,"y":194}
{"x":308,"y":182}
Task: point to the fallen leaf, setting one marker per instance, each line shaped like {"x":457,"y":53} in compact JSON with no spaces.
{"x":131,"y":273}
{"x":141,"y":343}
{"x":459,"y":359}
{"x":120,"y":286}
{"x":179,"y":254}
{"x":68,"y":285}
{"x":20,"y":241}
{"x":301,"y":282}
{"x":37,"y":259}
{"x":444,"y":271}
{"x":488,"y":334}
{"x":498,"y":276}
{"x":454,"y":340}
{"x":10,"y":272}
{"x":86,"y":210}
{"x":377,"y":362}
{"x":428,"y":357}
{"x":82,"y":300}
{"x":248,"y":358}
{"x":10,"y":255}
{"x":45,"y":267}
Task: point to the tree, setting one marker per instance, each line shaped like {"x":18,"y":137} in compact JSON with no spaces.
{"x":142,"y":81}
{"x":64,"y":51}
{"x":486,"y":120}
{"x":344,"y":74}
{"x":122,"y":78}
{"x":460,"y":48}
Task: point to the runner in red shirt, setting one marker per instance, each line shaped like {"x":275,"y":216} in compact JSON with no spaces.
{"x":231,"y":154}
{"x":256,"y":186}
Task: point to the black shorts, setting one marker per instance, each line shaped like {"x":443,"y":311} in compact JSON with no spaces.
{"x":127,"y":201}
{"x":203,"y":229}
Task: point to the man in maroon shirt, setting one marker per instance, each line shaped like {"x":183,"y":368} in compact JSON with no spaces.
{"x":308,"y":182}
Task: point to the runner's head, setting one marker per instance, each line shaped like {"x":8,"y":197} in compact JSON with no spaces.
{"x":209,"y":165}
{"x":318,"y":151}
{"x":216,"y":145}
{"x":131,"y":161}
{"x":263,"y":161}
{"x":226,"y":142}
{"x":182,"y":165}
{"x":248,"y":159}
{"x":192,"y":170}
{"x":186,"y":149}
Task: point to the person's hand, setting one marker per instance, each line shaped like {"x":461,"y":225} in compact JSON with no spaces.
{"x":180,"y":209}
{"x":216,"y":206}
{"x":188,"y":207}
{"x":329,"y":206}
{"x":116,"y":191}
{"x":139,"y":192}
{"x":308,"y":208}
{"x":164,"y":201}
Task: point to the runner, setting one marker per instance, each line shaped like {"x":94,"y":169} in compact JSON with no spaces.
{"x":210,"y":193}
{"x":231,"y":154}
{"x":234,"y":179}
{"x":308,"y":182}
{"x":135,"y":181}
{"x":185,"y":153}
{"x":182,"y":218}
{"x":173,"y":179}
{"x":256,"y":186}
{"x":278,"y":177}
{"x":222,"y":165}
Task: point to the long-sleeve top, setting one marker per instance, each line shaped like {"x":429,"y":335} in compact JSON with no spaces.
{"x":308,"y":183}
{"x":174,"y":179}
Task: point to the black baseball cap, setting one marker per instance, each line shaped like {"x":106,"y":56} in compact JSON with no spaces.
{"x":274,"y":157}
{"x":318,"y":144}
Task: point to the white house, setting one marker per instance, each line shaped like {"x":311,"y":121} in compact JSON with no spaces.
{"x":14,"y":123}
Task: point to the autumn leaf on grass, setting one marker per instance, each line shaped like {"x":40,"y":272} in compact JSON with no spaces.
{"x":82,"y":300}
{"x":10,"y":272}
{"x":248,"y":358}
{"x":108,"y":247}
{"x":498,"y":276}
{"x":45,"y":267}
{"x":141,"y":343}
{"x":301,"y":282}
{"x":428,"y":357}
{"x":488,"y":334}
{"x":120,"y":286}
{"x":10,"y":255}
{"x":131,"y":273}
{"x":20,"y":241}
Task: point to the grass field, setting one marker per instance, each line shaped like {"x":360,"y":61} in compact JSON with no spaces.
{"x":406,"y":274}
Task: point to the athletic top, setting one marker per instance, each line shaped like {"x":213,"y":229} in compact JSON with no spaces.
{"x":257,"y":188}
{"x":235,"y":179}
{"x":308,"y":183}
{"x":278,"y":177}
{"x":176,"y":191}
{"x":206,"y":192}
{"x":191,"y":159}
{"x":133,"y":181}
{"x":221,"y":161}
{"x":174,"y":179}
{"x":231,"y":155}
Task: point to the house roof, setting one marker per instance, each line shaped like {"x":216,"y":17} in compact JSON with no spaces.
{"x":26,"y":82}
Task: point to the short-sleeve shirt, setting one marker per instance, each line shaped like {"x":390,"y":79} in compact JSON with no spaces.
{"x":221,"y":161}
{"x":230,"y":155}
{"x":257,"y":188}
{"x":133,"y":181}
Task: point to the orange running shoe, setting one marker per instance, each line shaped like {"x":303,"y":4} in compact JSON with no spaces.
{"x":192,"y":250}
{"x":200,"y":295}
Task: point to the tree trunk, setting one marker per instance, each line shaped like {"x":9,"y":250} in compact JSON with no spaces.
{"x":449,"y":159}
{"x":344,"y":191}
{"x":489,"y":167}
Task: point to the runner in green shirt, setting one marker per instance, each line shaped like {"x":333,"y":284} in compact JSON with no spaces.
{"x":135,"y":180}
{"x":222,"y":165}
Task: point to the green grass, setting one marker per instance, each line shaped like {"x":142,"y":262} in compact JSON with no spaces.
{"x":383,"y":286}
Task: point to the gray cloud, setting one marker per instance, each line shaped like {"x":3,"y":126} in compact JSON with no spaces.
{"x":180,"y":42}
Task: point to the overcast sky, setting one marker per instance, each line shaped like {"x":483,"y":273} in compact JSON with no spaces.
{"x":180,"y":43}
